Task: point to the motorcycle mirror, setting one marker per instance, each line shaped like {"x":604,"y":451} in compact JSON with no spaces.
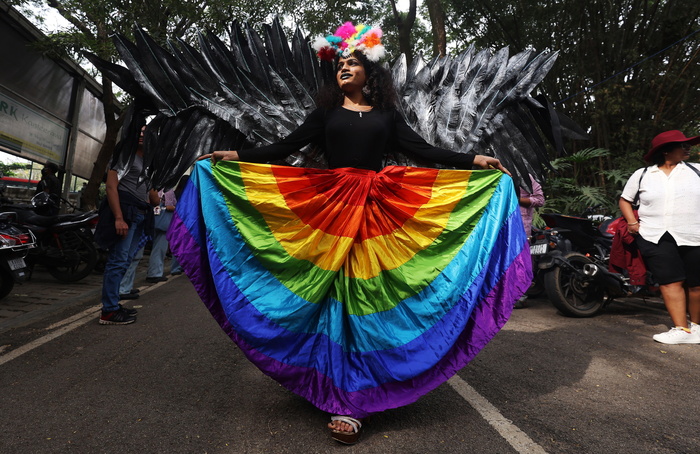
{"x":8,"y":216}
{"x":41,"y":199}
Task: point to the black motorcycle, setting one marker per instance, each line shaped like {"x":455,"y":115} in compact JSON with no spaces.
{"x":543,"y":243}
{"x":15,"y":243}
{"x":65,"y":243}
{"x":576,"y":276}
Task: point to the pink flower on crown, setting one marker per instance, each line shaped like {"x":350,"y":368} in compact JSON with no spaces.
{"x":346,"y":30}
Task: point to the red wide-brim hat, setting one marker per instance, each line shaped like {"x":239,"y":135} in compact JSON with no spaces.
{"x":669,"y":137}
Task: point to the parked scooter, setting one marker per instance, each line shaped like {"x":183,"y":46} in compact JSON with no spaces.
{"x":576,"y":279}
{"x":65,"y":242}
{"x":15,"y":242}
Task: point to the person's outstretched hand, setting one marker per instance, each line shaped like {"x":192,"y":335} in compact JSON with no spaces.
{"x":487,"y":162}
{"x":225,"y":155}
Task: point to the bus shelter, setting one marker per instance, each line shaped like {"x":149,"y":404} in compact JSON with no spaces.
{"x":50,"y":108}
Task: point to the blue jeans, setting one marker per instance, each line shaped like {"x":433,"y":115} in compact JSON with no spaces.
{"x":175,"y":266}
{"x":127,"y":282}
{"x":118,"y":261}
{"x":158,"y":250}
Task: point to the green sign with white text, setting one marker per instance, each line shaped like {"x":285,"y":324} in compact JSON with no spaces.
{"x":30,"y":134}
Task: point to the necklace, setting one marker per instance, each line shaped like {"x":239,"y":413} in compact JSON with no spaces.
{"x":359,"y":111}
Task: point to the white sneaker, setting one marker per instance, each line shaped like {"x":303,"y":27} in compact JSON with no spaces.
{"x":678,"y":335}
{"x":695,"y":328}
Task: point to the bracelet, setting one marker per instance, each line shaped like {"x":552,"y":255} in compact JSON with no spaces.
{"x":633,"y":223}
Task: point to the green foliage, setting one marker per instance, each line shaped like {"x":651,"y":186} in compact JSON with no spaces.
{"x":567,"y":191}
{"x":586,"y":155}
{"x":618,"y":177}
{"x":8,"y":170}
{"x":63,"y":44}
{"x":567,"y":188}
{"x":570,"y":198}
{"x":627,"y":69}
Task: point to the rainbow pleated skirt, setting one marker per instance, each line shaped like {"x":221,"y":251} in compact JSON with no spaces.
{"x":357,"y":290}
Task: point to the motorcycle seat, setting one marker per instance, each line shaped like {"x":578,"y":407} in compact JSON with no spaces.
{"x":71,"y":217}
{"x":28,"y":217}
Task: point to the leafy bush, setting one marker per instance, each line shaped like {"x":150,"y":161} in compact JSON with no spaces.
{"x":569,"y":189}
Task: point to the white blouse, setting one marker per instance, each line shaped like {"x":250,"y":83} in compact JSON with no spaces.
{"x":667,"y":203}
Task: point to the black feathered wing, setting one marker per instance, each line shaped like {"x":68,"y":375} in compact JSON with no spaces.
{"x":217,"y":97}
{"x":480,"y":102}
{"x":257,"y":90}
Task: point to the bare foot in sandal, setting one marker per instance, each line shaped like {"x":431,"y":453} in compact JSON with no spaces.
{"x":345,"y":429}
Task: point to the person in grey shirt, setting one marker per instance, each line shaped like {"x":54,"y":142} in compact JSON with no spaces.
{"x":124,"y":215}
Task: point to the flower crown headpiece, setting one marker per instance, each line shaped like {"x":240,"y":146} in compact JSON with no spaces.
{"x":349,"y":38}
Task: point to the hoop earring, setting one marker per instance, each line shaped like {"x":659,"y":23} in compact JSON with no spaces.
{"x":366,"y":91}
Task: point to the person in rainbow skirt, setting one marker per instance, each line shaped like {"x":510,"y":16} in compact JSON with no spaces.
{"x":358,"y":287}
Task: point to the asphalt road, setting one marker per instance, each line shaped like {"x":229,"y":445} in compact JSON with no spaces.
{"x":174,"y":383}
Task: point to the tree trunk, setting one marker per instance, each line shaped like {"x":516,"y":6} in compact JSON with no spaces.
{"x":437,"y":20}
{"x":404,"y":26}
{"x":88,"y":200}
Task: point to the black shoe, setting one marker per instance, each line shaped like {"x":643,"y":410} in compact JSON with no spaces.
{"x":520,"y":304}
{"x":155,"y":280}
{"x":118,"y":317}
{"x":129,"y":296}
{"x":176,"y":273}
{"x":129,"y":311}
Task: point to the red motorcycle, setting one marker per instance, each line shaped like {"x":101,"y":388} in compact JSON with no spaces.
{"x":15,"y":243}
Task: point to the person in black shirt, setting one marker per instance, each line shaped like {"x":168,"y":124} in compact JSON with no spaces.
{"x":356,"y":126}
{"x":51,"y":185}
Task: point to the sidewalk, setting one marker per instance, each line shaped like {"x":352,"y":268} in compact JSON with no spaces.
{"x":43,"y":295}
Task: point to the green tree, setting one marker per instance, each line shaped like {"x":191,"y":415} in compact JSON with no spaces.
{"x":627,"y":69}
{"x":8,"y":170}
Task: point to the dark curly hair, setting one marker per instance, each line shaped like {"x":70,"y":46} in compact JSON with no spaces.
{"x":380,"y":85}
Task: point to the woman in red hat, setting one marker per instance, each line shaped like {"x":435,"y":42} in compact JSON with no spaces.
{"x":668,"y":229}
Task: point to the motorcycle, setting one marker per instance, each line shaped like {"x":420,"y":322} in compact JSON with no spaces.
{"x":15,"y":242}
{"x":543,"y":242}
{"x":576,"y":276}
{"x":65,"y":243}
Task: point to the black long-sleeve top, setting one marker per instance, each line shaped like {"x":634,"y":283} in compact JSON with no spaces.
{"x":351,"y":139}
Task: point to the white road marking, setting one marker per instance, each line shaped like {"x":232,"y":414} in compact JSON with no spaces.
{"x":72,"y":319}
{"x":61,"y":328}
{"x":79,"y":320}
{"x":514,"y":436}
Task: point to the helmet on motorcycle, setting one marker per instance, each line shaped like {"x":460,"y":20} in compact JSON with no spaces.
{"x":667,"y":137}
